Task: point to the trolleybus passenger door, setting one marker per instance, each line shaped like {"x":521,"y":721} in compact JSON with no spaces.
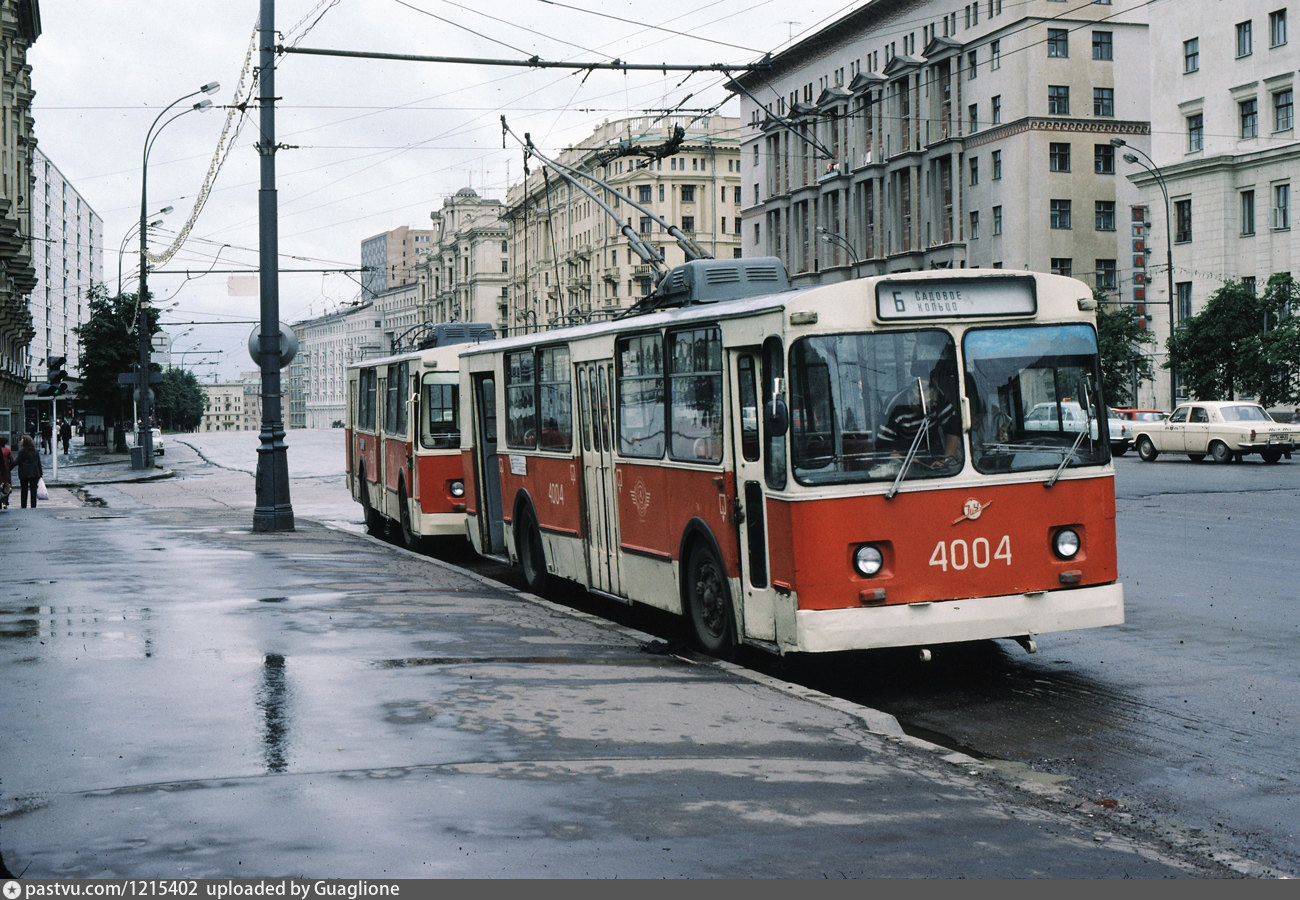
{"x":758,"y":597}
{"x":486,"y":468}
{"x":595,"y":396}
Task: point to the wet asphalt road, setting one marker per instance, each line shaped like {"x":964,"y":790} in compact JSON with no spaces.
{"x":1184,"y":718}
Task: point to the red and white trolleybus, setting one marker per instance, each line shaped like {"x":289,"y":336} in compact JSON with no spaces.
{"x":403,"y":437}
{"x":847,"y":466}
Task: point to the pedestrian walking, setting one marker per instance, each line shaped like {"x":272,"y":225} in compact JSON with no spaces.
{"x":30,"y":470}
{"x":6,"y":471}
{"x":47,"y":436}
{"x":65,"y":434}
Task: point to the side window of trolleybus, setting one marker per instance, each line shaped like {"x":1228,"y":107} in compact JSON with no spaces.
{"x":1034,"y":397}
{"x":861,"y":405}
{"x":641,"y":396}
{"x":439,"y":406}
{"x":695,"y":394}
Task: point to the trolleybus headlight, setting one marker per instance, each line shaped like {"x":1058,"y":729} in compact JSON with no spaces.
{"x":1067,"y":543}
{"x":868,"y":560}
{"x":458,"y":489}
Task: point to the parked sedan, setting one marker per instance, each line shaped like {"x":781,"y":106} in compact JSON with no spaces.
{"x":1223,"y":430}
{"x":1070,"y":416}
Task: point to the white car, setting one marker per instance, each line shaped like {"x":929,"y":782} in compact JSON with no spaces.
{"x":1220,"y":429}
{"x":156,"y":439}
{"x":1043,"y":417}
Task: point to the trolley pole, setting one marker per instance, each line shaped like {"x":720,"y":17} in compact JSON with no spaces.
{"x":273,"y":511}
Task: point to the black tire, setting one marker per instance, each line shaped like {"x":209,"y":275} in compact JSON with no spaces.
{"x":1146,"y":450}
{"x":708,"y":604}
{"x":1119,"y":451}
{"x":1220,"y":453}
{"x":532,"y":555}
{"x":1196,"y":457}
{"x":410,"y":539}
{"x":1271,"y":456}
{"x":374,"y":521}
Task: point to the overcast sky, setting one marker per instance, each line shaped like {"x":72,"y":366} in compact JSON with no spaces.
{"x":372,"y":145}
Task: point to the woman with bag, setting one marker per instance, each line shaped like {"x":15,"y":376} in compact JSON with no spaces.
{"x":30,"y":470}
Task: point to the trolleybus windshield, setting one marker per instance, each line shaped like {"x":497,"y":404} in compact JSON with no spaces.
{"x":864,"y":407}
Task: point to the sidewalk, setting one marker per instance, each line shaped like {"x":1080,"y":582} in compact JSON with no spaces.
{"x":184,"y":697}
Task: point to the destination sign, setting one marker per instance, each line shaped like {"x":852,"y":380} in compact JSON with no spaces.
{"x":938,"y":299}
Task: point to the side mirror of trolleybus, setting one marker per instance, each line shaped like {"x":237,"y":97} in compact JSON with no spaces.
{"x":776,"y":415}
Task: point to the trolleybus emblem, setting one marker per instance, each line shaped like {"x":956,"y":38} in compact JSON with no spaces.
{"x":971,"y":510}
{"x":640,"y":497}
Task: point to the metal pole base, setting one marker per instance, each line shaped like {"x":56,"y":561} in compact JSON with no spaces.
{"x":273,"y":511}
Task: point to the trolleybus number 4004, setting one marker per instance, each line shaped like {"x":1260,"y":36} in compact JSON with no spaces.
{"x":959,"y":555}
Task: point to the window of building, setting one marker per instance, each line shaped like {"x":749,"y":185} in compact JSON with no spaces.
{"x":646,"y":224}
{"x":661,"y":193}
{"x":974,"y":170}
{"x":643,"y":193}
{"x":974,"y":225}
{"x":1281,"y":206}
{"x":1195,"y":132}
{"x":1283,"y":110}
{"x":1107,"y":274}
{"x":1058,"y":100}
{"x":688,"y":193}
{"x":1277,"y":28}
{"x":688,"y":224}
{"x":1191,"y":55}
{"x":1103,"y":101}
{"x":1105,"y":215}
{"x":505,"y":265}
{"x":1062,"y":265}
{"x":1058,"y":157}
{"x":1243,"y":39}
{"x":997,"y":109}
{"x":1247,"y":212}
{"x":1183,"y":290}
{"x":1060,"y":214}
{"x":974,"y":117}
{"x":995,"y":55}
{"x":997,"y":220}
{"x":1103,"y":45}
{"x":1249,"y":114}
{"x":1182,"y":221}
{"x":1058,"y":43}
{"x":971,"y":66}
{"x":997,"y":164}
{"x":1103,"y":159}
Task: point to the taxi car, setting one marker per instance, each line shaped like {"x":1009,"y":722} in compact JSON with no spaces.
{"x":1221,"y":429}
{"x":1071,"y":416}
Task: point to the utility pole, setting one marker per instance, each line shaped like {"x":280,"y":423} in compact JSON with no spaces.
{"x":273,"y":511}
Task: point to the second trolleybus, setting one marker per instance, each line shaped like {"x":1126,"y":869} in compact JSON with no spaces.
{"x":888,"y":461}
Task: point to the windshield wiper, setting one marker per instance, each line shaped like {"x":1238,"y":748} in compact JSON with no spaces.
{"x":921,"y":431}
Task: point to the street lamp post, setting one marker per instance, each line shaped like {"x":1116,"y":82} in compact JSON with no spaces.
{"x":1155,"y":173}
{"x":142,"y":301}
{"x":121,"y":248}
{"x":831,"y":237}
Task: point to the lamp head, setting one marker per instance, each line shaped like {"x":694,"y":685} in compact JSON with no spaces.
{"x":211,"y":87}
{"x":203,"y":104}
{"x":1130,"y":158}
{"x":164,"y":211}
{"x":1118,"y":142}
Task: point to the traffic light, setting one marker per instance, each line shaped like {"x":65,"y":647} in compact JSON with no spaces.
{"x":56,"y":377}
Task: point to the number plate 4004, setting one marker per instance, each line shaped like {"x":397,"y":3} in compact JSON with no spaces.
{"x":960,"y":554}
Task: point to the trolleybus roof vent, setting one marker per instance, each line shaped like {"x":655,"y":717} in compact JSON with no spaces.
{"x":446,"y":333}
{"x":717,"y":280}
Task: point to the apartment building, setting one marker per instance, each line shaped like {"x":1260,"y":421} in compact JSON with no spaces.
{"x":233,"y":405}
{"x":388,"y":259}
{"x":569,"y":258}
{"x":464,"y":276}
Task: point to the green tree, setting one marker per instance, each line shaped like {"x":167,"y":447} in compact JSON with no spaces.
{"x":1279,"y":383}
{"x":109,"y":347}
{"x":1120,"y":341}
{"x":180,"y":401}
{"x":1217,"y":353}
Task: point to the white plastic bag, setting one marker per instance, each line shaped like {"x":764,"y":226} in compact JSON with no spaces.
{"x":42,"y":492}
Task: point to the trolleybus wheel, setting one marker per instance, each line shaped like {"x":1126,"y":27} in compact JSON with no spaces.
{"x":410,"y":539}
{"x":1146,"y":450}
{"x":374,"y":521}
{"x":532,"y":556}
{"x":708,"y":603}
{"x":1220,"y":453}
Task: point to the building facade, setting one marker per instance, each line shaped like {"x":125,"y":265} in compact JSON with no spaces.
{"x":20,"y":26}
{"x":69,"y":257}
{"x":1226,"y":147}
{"x":388,"y":260}
{"x":465,"y":275}
{"x":569,"y":258}
{"x":937,"y":134}
{"x":233,"y":405}
{"x":327,"y":345}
